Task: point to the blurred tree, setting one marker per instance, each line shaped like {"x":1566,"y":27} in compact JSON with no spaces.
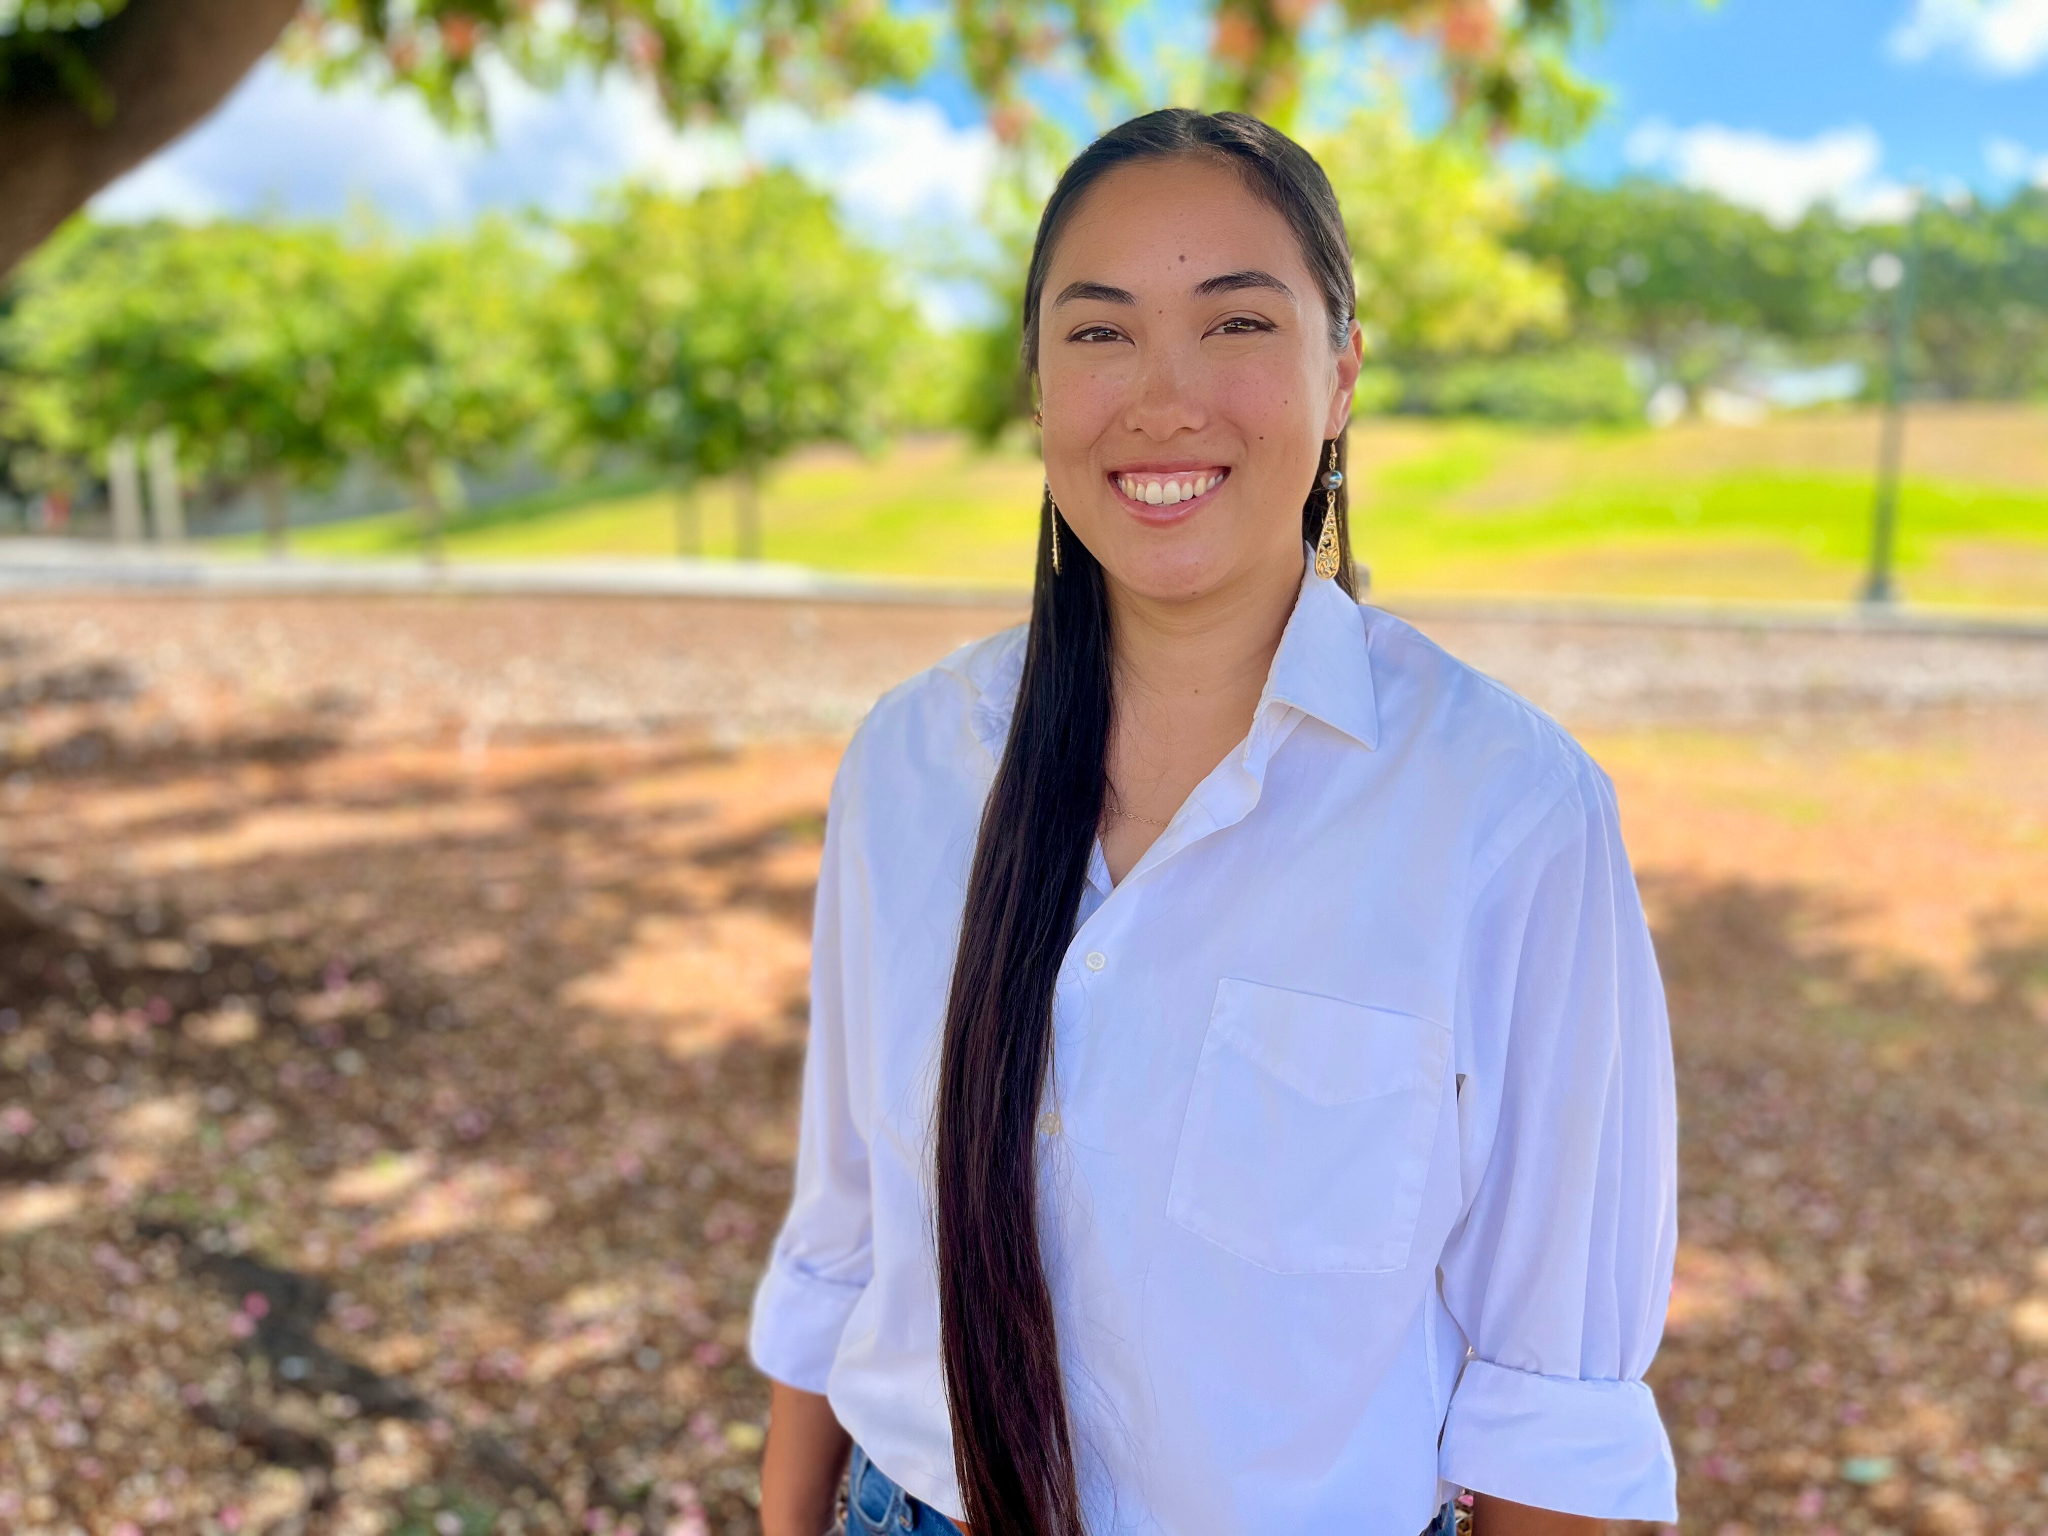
{"x":996,"y":391}
{"x":88,"y":88}
{"x":1551,"y":386}
{"x":1428,"y":221}
{"x":1690,"y":280}
{"x":1505,"y":64}
{"x":448,"y":375}
{"x":234,"y":335}
{"x":1981,"y":328}
{"x":714,"y":334}
{"x":29,"y":462}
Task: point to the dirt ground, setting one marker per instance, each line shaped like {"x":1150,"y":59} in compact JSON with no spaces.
{"x":396,"y":1089}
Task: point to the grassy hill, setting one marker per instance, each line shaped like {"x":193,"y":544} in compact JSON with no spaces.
{"x":1776,"y":511}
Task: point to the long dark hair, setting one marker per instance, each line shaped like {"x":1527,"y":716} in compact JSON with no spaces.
{"x":1012,"y":1445}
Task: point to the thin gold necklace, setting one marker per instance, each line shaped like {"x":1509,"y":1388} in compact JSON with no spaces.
{"x":1127,"y":816}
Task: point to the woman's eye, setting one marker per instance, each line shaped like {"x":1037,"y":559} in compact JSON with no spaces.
{"x":1244,"y":325}
{"x":1095,"y":333}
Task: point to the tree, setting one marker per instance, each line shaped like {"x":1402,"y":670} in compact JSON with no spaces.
{"x":1504,"y":64}
{"x":1690,"y":280}
{"x":89,"y":88}
{"x":235,"y":335}
{"x":713,"y":334}
{"x":1428,"y":221}
{"x":448,"y":372}
{"x":89,"y":91}
{"x":1981,"y":305}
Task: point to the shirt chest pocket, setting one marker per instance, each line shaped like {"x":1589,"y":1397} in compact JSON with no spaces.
{"x":1308,"y":1132}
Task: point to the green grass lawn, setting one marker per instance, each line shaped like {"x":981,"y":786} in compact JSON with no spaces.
{"x":1776,"y":512}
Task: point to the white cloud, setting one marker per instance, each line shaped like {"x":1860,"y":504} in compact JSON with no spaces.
{"x":281,"y":143}
{"x":905,"y":178}
{"x":888,"y":159}
{"x":160,"y":188}
{"x":2010,"y":160}
{"x":2000,"y":37}
{"x":1780,"y":178}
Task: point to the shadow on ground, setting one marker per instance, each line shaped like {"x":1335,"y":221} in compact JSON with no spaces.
{"x":1859,"y":1329}
{"x":390,"y":1136}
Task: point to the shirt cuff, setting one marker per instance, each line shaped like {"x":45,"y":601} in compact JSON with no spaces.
{"x":1592,"y":1448}
{"x":798,"y":1319}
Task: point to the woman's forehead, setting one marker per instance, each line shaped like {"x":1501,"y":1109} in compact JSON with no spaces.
{"x":1172,"y":224}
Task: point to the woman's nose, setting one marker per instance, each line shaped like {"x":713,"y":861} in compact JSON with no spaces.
{"x":1165,"y":398}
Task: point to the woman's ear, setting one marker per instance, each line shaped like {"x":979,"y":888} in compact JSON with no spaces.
{"x":1350,"y":359}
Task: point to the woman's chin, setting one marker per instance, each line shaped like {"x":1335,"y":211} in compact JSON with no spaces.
{"x":1176,"y":569}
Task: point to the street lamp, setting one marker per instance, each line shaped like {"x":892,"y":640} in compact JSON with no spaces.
{"x":1901,"y":276}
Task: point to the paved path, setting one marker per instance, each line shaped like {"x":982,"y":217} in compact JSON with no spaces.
{"x":85,"y":565}
{"x":412,"y":666}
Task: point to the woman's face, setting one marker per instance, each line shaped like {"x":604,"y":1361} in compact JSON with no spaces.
{"x":1187,"y":379}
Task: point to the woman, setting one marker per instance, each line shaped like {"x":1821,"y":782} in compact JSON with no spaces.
{"x":1239,"y":1093}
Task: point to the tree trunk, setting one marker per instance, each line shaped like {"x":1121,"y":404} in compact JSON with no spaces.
{"x":276,"y":515}
{"x":432,"y":544}
{"x":164,"y":65}
{"x":747,"y":513}
{"x":166,"y":491}
{"x":124,"y":490}
{"x":689,"y":522}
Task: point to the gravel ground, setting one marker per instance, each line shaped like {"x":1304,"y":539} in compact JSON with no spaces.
{"x":397,"y":1075}
{"x":409,"y":667}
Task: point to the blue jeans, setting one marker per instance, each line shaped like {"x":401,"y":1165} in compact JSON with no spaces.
{"x":876,"y":1506}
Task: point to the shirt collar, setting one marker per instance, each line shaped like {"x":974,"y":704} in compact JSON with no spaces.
{"x":1321,"y":667}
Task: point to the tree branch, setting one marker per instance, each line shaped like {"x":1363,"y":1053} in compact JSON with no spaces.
{"x":165,"y":64}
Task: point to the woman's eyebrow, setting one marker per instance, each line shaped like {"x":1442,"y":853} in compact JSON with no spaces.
{"x":1249,"y":278}
{"x":1101,"y":292}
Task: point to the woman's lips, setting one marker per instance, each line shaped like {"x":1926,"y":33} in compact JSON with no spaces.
{"x":1164,"y":496}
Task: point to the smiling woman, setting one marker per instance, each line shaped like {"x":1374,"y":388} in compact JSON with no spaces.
{"x":1239,"y":1093}
{"x":1194,"y":370}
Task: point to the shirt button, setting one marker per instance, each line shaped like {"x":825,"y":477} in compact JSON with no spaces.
{"x":1049,"y":1123}
{"x":1097,"y":960}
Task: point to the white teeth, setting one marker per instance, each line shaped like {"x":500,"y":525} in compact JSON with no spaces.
{"x":1168,"y":492}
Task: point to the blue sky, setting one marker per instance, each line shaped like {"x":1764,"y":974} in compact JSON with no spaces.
{"x":1776,"y":103}
{"x":1952,"y":92}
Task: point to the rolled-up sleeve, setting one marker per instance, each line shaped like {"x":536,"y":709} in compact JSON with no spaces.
{"x":823,"y":1256}
{"x":1559,"y":1272}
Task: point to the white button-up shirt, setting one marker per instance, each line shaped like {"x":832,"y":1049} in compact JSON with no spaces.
{"x":1358,"y":1152}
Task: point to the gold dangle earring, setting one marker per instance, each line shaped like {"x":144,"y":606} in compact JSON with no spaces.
{"x":1055,"y":506}
{"x":1326,"y":544}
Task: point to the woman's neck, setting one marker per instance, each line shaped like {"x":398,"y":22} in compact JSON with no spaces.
{"x":1188,"y":679}
{"x":1181,"y":662}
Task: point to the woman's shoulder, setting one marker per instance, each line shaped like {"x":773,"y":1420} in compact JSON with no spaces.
{"x":934,"y":717}
{"x":1467,"y":724}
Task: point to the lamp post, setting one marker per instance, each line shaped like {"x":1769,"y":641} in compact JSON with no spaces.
{"x":1889,"y":273}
